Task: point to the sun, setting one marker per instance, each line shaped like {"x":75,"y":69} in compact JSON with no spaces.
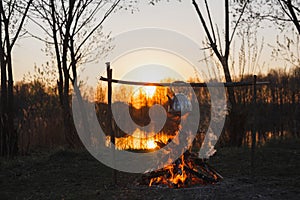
{"x":150,"y":91}
{"x":151,"y":144}
{"x":146,"y":91}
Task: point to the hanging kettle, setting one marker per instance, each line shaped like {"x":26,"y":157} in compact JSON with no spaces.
{"x":179,"y":103}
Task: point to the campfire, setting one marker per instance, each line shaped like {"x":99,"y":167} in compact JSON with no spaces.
{"x":186,"y":171}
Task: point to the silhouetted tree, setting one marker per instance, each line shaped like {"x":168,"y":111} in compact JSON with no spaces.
{"x":13,"y":14}
{"x":222,"y":54}
{"x":75,"y":30}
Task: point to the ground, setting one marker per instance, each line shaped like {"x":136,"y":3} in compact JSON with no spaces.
{"x":65,"y":174}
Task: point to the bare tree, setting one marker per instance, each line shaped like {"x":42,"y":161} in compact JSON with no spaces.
{"x":13,"y":14}
{"x":280,"y":12}
{"x":75,"y":31}
{"x":222,"y":53}
{"x":285,"y":14}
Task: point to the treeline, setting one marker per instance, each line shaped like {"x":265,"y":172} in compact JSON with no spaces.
{"x":277,"y":111}
{"x":38,"y":116}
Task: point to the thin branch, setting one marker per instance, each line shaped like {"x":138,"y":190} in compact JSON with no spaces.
{"x":293,"y":15}
{"x":205,"y":48}
{"x":78,"y":12}
{"x":238,"y":21}
{"x":40,"y":25}
{"x":284,"y":10}
{"x":38,"y":38}
{"x":210,"y":21}
{"x":11,"y":9}
{"x":63,"y":7}
{"x":296,"y":8}
{"x":273,"y":18}
{"x":112,"y":8}
{"x":207,"y":57}
{"x":21,"y":24}
{"x":212,"y":44}
{"x":2,"y":12}
{"x":227,"y":44}
{"x":219,"y":39}
{"x":90,"y":17}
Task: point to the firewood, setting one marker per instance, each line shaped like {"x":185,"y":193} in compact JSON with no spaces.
{"x":199,"y":175}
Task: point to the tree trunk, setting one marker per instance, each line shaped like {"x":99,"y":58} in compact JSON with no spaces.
{"x":77,"y":92}
{"x":60,"y":81}
{"x":236,"y":120}
{"x":9,"y":137}
{"x":3,"y":107}
{"x":13,"y":135}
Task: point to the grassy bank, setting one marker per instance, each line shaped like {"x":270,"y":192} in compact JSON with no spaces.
{"x":65,"y":174}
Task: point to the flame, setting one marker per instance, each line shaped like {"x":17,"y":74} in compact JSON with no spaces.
{"x":178,"y":178}
{"x":177,"y":175}
{"x":185,"y":172}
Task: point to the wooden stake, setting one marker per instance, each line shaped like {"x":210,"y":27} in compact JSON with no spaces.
{"x":109,"y":113}
{"x":253,"y":131}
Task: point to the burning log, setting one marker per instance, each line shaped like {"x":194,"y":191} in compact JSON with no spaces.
{"x":199,"y":175}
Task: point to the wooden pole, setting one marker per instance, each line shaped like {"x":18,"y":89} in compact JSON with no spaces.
{"x":109,"y":113}
{"x":253,"y":131}
{"x":181,"y":84}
